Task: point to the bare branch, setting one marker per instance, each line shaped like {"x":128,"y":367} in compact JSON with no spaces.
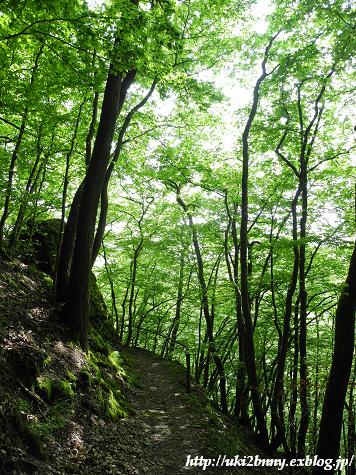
{"x":327,"y":159}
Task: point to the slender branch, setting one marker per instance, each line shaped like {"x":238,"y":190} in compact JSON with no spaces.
{"x":327,"y":159}
{"x":43,"y":20}
{"x":9,"y":123}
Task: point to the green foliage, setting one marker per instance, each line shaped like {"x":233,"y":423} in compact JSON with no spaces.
{"x":205,"y":57}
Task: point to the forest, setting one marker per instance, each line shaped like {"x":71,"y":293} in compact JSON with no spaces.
{"x":198,"y":157}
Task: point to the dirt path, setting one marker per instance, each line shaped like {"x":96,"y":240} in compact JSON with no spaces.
{"x":170,"y":426}
{"x":167,"y":426}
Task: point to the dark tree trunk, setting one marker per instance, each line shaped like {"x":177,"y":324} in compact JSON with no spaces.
{"x":244,"y":263}
{"x":77,"y":305}
{"x":65,"y":252}
{"x":104,"y":201}
{"x":294,"y":386}
{"x":331,"y":419}
{"x":303,"y":369}
{"x":277,"y":402}
{"x":65,"y":256}
{"x":91,"y":131}
{"x":241,"y":390}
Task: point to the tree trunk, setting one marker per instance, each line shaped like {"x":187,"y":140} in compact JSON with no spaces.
{"x":244,"y":270}
{"x":77,"y":305}
{"x":179,"y":301}
{"x":30,"y":185}
{"x":131,"y":312}
{"x":303,"y":369}
{"x":331,"y":419}
{"x":205,"y":306}
{"x":104,"y":202}
{"x":277,"y":402}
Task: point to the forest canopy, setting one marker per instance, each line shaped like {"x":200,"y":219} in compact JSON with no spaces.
{"x":199,"y":156}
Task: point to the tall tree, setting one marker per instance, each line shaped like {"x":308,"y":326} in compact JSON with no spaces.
{"x":339,"y":376}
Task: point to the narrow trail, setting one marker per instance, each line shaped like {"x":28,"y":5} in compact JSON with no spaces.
{"x":169,"y":426}
{"x":166,"y":427}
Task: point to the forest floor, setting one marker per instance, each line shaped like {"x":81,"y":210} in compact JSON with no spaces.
{"x":168,"y":425}
{"x":127,"y":412}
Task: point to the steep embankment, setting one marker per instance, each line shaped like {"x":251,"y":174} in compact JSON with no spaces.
{"x":49,"y":388}
{"x":63,"y":411}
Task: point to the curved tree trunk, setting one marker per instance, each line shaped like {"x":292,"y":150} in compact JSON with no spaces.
{"x":244,"y":271}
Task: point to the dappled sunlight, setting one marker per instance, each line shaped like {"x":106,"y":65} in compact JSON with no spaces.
{"x":71,"y":353}
{"x":76,"y":441}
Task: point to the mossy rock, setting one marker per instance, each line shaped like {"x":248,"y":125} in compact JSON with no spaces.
{"x":45,"y":241}
{"x":51,"y":390}
{"x":34,"y":431}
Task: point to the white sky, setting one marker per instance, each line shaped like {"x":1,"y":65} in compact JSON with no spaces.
{"x":237,"y":95}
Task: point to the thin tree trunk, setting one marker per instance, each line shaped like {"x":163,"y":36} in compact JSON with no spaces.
{"x":303,"y":368}
{"x":123,"y":306}
{"x":112,"y":290}
{"x":131,"y":312}
{"x":179,"y":301}
{"x":205,"y":305}
{"x":31,"y":181}
{"x":316,"y":393}
{"x":15,"y":154}
{"x":245,"y":294}
{"x":277,"y":402}
{"x":294,"y":386}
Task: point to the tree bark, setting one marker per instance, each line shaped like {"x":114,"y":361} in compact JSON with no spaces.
{"x":76,"y":312}
{"x":331,"y":418}
{"x":104,"y":201}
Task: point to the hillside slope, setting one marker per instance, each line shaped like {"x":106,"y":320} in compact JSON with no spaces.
{"x":108,"y":411}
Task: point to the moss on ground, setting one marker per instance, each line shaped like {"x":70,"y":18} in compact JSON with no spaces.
{"x":103,"y":374}
{"x":35,"y":429}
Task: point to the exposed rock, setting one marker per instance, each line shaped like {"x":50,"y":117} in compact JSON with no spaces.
{"x":45,"y":240}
